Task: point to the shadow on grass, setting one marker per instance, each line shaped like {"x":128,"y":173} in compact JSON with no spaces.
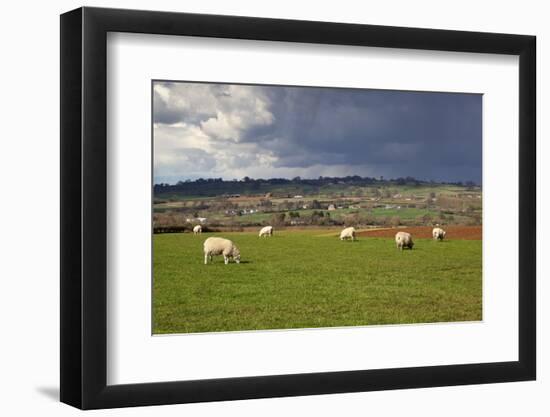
{"x":230,"y":263}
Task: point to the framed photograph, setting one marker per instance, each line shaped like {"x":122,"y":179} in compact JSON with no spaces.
{"x":257,"y":208}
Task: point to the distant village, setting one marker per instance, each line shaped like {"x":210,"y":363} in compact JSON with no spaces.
{"x":355,"y":201}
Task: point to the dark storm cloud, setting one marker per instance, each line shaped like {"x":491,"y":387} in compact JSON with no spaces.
{"x":391,"y":133}
{"x":426,"y":135}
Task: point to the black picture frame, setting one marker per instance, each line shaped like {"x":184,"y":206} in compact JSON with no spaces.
{"x":84,"y":207}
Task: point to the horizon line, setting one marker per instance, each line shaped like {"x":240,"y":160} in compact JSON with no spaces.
{"x":322,"y":177}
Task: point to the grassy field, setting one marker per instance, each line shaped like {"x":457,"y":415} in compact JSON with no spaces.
{"x":305,"y":279}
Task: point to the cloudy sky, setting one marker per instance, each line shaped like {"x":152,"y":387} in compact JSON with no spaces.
{"x":232,"y":131}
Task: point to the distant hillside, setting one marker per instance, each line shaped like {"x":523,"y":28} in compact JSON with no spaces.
{"x":281,"y":187}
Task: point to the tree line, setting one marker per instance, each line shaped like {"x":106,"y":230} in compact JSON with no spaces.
{"x":219,"y":186}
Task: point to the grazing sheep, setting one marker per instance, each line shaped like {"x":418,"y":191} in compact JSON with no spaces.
{"x":403,"y":240}
{"x":220,"y":246}
{"x":438,"y":233}
{"x":348,"y":233}
{"x":197,"y":229}
{"x":266,"y":231}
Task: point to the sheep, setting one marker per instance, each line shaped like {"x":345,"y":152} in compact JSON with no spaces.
{"x":347,"y":233}
{"x":266,"y":231}
{"x":438,"y":233}
{"x":197,"y":229}
{"x":403,"y":239}
{"x":221,"y":246}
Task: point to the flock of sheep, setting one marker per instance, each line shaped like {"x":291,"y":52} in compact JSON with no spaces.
{"x":214,"y":246}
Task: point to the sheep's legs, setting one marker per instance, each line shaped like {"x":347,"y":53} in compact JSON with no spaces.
{"x":205,"y":259}
{"x":226,"y":259}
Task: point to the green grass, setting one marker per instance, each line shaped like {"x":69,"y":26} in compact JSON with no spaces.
{"x":403,"y":213}
{"x":304,"y":280}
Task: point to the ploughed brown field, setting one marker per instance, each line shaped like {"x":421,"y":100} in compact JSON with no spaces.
{"x":425,"y":232}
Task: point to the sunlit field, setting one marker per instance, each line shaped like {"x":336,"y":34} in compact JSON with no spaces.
{"x":311,"y":279}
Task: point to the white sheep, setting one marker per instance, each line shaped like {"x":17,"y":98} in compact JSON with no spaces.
{"x":403,"y":240}
{"x":220,"y":246}
{"x":348,"y":233}
{"x":197,"y":230}
{"x":438,"y":233}
{"x":266,"y":231}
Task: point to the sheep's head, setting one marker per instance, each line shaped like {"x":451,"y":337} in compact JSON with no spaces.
{"x":236,"y":255}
